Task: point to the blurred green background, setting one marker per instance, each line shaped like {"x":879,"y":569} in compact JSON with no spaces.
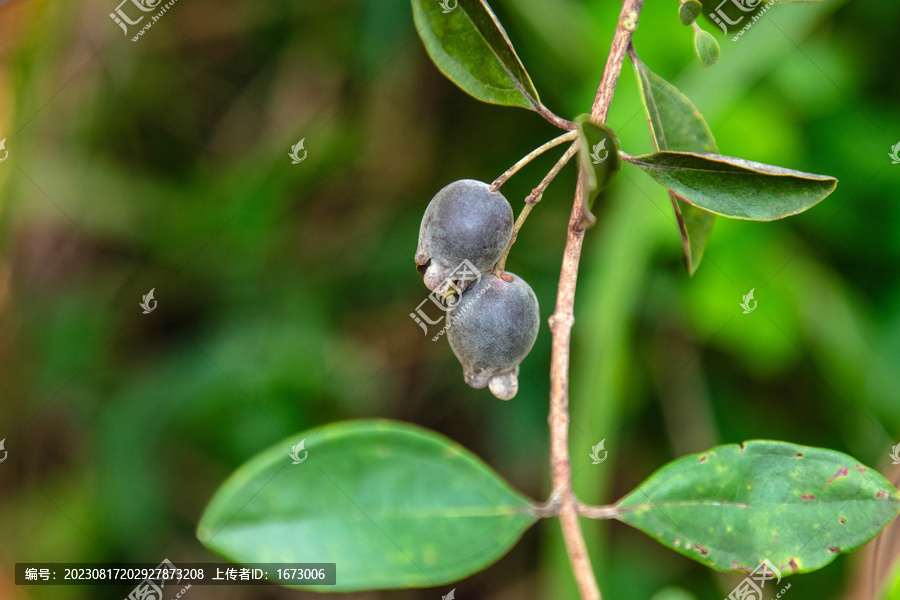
{"x":285,"y":290}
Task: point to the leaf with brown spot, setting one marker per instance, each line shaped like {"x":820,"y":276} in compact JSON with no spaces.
{"x":749,"y":493}
{"x":842,"y":472}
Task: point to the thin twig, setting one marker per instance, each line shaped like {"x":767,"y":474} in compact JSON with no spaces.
{"x":554,"y":119}
{"x":561,"y":327}
{"x":628,"y":20}
{"x":501,"y":264}
{"x":535,"y":195}
{"x":533,"y":198}
{"x":571,"y":135}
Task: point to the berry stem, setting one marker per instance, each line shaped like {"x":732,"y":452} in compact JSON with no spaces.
{"x":501,"y":264}
{"x":566,"y":137}
{"x":533,"y":198}
{"x":561,"y":327}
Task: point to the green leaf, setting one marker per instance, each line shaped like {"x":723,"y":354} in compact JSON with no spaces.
{"x":706,"y":47}
{"x":468,"y":44}
{"x":392,"y":504}
{"x":734,"y":187}
{"x":598,"y":156}
{"x":689,"y":11}
{"x":695,"y":225}
{"x":676,"y":124}
{"x":735,"y":506}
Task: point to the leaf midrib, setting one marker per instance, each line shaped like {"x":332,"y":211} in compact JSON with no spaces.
{"x":742,"y":171}
{"x":660,"y":505}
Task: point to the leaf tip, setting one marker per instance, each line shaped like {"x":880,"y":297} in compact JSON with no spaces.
{"x":706,"y":47}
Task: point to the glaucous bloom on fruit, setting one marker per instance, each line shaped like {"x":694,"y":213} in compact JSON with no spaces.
{"x":492,"y":330}
{"x":465,"y":221}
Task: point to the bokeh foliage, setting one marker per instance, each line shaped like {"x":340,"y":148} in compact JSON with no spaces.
{"x":284,"y":290}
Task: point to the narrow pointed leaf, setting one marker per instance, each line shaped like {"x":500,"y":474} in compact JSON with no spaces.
{"x":392,"y":504}
{"x":468,"y":44}
{"x":734,"y":506}
{"x":676,"y":124}
{"x":734,"y":187}
{"x":598,"y":156}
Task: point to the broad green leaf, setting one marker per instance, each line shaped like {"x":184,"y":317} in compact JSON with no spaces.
{"x":734,"y":506}
{"x":392,"y":504}
{"x":468,"y":44}
{"x":734,"y":187}
{"x":676,"y":124}
{"x":598,"y":156}
{"x":706,"y":47}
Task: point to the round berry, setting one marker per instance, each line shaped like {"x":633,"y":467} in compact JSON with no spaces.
{"x":465,"y":221}
{"x":492,"y":329}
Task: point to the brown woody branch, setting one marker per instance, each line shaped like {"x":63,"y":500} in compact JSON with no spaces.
{"x":561,"y":328}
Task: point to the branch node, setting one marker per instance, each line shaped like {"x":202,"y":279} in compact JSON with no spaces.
{"x":630,"y":22}
{"x":557,"y":320}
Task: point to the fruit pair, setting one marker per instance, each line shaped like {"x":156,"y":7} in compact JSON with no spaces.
{"x":494,"y":325}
